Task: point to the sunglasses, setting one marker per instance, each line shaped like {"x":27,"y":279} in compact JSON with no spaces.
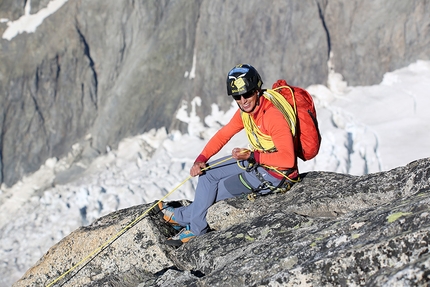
{"x":245,"y":96}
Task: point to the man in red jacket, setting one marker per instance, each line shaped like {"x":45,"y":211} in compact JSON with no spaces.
{"x":271,"y":163}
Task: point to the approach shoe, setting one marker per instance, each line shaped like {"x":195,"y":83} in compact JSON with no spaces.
{"x":182,"y":237}
{"x":167,"y":214}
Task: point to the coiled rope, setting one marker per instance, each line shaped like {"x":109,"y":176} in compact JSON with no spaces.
{"x":258,"y":139}
{"x":279,"y":101}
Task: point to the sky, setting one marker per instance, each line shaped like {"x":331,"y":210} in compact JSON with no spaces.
{"x":365,"y":129}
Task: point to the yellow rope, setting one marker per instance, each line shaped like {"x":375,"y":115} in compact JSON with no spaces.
{"x":279,"y":172}
{"x":274,"y":169}
{"x":258,"y":139}
{"x":113,"y":238}
{"x":284,"y":106}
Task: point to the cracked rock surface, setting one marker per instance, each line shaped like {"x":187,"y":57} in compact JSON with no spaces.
{"x":328,"y":230}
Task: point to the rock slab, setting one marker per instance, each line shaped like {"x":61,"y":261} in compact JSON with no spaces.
{"x":328,"y":230}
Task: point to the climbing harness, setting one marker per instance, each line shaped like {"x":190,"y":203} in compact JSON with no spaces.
{"x":125,"y":229}
{"x":283,"y":186}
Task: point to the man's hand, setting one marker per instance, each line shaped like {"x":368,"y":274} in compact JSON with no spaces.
{"x":240,"y":153}
{"x":197,"y":167}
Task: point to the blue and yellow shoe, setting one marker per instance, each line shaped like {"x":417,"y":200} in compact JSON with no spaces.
{"x":182,"y":237}
{"x":168,"y":214}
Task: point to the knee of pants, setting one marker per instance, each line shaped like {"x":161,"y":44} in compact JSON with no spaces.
{"x":237,"y":185}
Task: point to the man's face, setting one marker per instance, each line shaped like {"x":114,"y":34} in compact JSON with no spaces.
{"x":247,"y":102}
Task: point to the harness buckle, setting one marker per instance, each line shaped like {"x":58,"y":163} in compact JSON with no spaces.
{"x":251,"y":167}
{"x":252,"y":196}
{"x":283,"y":189}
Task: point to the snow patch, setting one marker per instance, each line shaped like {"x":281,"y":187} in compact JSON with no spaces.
{"x":29,"y":22}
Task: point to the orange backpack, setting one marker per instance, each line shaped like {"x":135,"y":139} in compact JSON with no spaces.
{"x":308,"y":137}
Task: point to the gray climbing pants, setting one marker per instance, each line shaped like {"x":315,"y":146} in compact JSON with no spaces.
{"x":226,"y":180}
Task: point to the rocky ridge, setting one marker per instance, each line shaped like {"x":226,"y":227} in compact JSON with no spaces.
{"x":329,"y":230}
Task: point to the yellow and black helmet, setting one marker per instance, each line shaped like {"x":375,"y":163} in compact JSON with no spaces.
{"x":243,"y":78}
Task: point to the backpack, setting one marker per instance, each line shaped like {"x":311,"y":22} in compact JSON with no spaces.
{"x":300,"y":113}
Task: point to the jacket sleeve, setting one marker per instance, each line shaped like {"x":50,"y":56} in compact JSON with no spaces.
{"x":277,"y":127}
{"x":222,"y":136}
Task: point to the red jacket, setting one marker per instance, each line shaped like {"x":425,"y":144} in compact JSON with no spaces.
{"x":271,"y":122}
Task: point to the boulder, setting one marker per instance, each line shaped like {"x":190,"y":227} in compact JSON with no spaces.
{"x":328,"y":230}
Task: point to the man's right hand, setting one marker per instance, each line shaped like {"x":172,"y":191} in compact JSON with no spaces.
{"x":197,"y":167}
{"x":240,"y":153}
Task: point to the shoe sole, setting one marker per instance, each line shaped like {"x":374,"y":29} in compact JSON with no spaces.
{"x":176,"y":243}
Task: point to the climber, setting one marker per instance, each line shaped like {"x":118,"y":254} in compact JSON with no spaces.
{"x":247,"y":170}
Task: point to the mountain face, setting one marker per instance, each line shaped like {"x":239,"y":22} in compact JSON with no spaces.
{"x":329,"y":230}
{"x":95,"y":72}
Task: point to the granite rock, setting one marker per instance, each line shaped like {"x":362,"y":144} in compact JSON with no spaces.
{"x":328,"y":230}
